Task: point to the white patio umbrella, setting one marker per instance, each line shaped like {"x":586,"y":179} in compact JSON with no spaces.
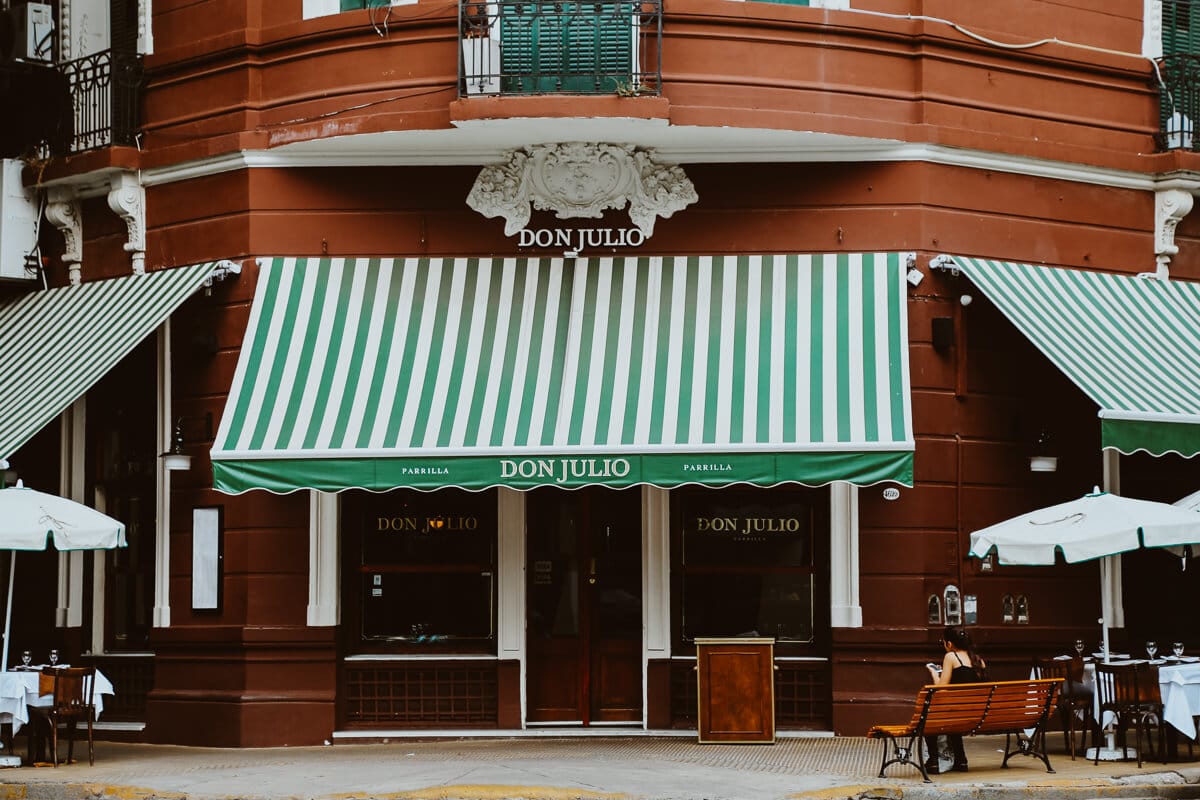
{"x":1094,"y":526}
{"x":30,"y":519}
{"x":1190,"y":503}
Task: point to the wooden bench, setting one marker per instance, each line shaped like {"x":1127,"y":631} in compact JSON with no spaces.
{"x":1008,"y":707}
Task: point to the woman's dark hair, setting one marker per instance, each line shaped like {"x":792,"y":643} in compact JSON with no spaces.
{"x":959,"y":638}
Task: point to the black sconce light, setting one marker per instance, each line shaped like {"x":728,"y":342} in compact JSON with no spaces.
{"x":1042,"y":458}
{"x":176,"y":459}
{"x":942,"y":333}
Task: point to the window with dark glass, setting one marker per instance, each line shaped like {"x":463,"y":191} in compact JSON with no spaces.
{"x":745,"y":565}
{"x":426,"y":568}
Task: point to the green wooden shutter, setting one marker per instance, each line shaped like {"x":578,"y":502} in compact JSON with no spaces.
{"x":566,"y":47}
{"x":351,"y":5}
{"x":1181,"y":27}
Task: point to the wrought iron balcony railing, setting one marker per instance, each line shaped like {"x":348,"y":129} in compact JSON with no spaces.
{"x":105,"y":98}
{"x":592,"y":48}
{"x":1179,"y":103}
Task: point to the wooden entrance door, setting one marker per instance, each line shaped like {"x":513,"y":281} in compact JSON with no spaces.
{"x":584,"y":599}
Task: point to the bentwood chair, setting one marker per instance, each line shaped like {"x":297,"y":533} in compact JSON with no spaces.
{"x":1074,"y":698}
{"x":1131,"y":693}
{"x":72,"y":691}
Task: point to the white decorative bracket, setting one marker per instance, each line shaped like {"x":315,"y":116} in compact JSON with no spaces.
{"x":64,"y":212}
{"x":127,"y":199}
{"x":580,"y":180}
{"x":1170,"y":206}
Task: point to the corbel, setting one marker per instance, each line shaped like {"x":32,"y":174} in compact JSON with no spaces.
{"x":1170,"y":206}
{"x":127,"y":199}
{"x":65,"y":213}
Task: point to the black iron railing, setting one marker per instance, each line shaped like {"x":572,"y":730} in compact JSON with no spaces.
{"x":525,"y":48}
{"x":106,"y":99}
{"x":1179,"y":106}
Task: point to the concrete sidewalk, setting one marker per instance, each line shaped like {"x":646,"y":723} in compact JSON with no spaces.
{"x":655,"y":768}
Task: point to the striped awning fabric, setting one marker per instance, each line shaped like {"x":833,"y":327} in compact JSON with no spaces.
{"x":59,"y":342}
{"x":521,"y":372}
{"x":1131,"y":343}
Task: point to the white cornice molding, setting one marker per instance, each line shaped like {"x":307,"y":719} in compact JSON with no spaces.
{"x":446,"y":152}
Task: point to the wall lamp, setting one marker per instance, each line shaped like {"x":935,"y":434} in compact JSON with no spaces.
{"x":176,"y":459}
{"x":1041,"y":459}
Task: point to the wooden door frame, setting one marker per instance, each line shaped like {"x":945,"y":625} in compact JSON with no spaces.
{"x":586,"y":652}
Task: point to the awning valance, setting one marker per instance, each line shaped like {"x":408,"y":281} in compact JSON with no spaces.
{"x":379,"y":373}
{"x":59,"y":342}
{"x":1131,"y":343}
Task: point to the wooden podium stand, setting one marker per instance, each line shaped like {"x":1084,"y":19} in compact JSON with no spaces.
{"x":736,"y":690}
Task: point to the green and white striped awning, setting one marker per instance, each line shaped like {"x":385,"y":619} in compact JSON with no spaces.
{"x":522,"y":372}
{"x":1131,"y":343}
{"x":59,"y":342}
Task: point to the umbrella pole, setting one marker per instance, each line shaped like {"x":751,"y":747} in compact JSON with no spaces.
{"x":1110,"y":751}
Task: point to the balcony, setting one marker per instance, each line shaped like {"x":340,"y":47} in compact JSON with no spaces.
{"x":1180,"y":102}
{"x":580,"y":48}
{"x":105,"y":99}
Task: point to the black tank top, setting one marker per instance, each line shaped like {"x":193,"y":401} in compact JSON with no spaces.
{"x":963,"y":673}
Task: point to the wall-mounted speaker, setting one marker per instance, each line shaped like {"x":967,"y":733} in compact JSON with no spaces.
{"x":943,"y":333}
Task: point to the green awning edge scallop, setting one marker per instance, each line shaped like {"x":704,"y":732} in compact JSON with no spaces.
{"x":381,"y":474}
{"x":1153,"y":437}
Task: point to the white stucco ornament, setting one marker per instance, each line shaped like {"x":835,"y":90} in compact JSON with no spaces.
{"x":580,"y":180}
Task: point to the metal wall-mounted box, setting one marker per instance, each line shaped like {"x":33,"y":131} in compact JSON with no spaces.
{"x":18,"y":222}
{"x":34,"y":24}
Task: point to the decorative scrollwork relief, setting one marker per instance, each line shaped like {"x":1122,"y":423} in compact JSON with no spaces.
{"x":1170,"y":207}
{"x":65,"y":213}
{"x":127,"y":199}
{"x":581,"y":180}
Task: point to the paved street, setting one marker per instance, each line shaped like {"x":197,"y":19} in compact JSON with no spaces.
{"x":656,"y":768}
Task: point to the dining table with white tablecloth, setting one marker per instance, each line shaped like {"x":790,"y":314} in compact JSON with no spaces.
{"x":20,"y":689}
{"x":1178,"y":683}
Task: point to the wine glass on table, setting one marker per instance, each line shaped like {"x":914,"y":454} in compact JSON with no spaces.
{"x":54,"y":658}
{"x":1079,"y":647}
{"x":1151,"y":649}
{"x":1177,"y":649}
{"x":26,"y":657}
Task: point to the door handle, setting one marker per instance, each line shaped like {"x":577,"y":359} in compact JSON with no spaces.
{"x":592,"y":571}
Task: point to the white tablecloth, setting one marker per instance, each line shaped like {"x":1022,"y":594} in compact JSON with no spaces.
{"x":20,"y":689}
{"x":1179,"y":685}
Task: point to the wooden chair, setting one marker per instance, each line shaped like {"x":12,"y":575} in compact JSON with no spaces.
{"x":72,"y":691}
{"x":1073,"y":697}
{"x":1130,"y":692}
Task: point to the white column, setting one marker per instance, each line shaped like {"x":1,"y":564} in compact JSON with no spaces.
{"x":656,"y":572}
{"x":656,"y":582}
{"x":1113,"y":601}
{"x":162,"y":486}
{"x":324,"y":562}
{"x":69,"y":613}
{"x":845,"y":610}
{"x":510,"y":580}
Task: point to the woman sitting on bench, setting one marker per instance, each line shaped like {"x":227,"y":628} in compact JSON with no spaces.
{"x":961,"y":664}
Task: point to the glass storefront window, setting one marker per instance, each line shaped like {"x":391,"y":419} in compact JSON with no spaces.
{"x":745,"y":565}
{"x":426,"y":567}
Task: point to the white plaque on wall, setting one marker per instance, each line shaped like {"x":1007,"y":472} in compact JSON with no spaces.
{"x":206,"y":559}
